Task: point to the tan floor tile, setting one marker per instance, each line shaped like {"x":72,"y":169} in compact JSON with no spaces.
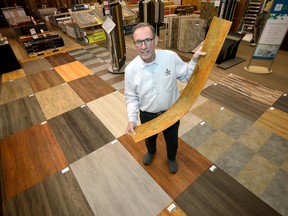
{"x":255,"y":137}
{"x":285,"y":166}
{"x":57,"y":100}
{"x":6,"y":77}
{"x":257,"y":174}
{"x":187,"y":122}
{"x":114,"y":117}
{"x":215,"y":145}
{"x":220,"y":118}
{"x":206,"y":109}
{"x":200,"y":100}
{"x":72,"y":71}
{"x":276,"y":121}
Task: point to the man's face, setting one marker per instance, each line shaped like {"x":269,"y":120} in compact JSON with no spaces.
{"x":145,"y":43}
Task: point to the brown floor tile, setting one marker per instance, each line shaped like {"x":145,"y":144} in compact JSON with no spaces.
{"x":60,"y":59}
{"x":6,"y":77}
{"x":36,"y":66}
{"x":22,"y":167}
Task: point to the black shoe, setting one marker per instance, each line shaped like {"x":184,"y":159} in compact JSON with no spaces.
{"x":148,"y":158}
{"x":173,"y":166}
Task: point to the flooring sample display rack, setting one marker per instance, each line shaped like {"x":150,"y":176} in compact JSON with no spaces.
{"x":215,"y":38}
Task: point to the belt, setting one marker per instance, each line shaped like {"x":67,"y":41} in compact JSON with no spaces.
{"x":158,"y":113}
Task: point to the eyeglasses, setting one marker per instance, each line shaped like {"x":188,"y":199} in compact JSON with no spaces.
{"x":146,"y":41}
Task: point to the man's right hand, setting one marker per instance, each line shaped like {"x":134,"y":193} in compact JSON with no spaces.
{"x":130,"y":128}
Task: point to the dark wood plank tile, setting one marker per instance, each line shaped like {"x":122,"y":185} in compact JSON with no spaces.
{"x":282,"y":103}
{"x":115,"y":79}
{"x":19,"y":115}
{"x":79,"y":132}
{"x":191,"y":164}
{"x":216,"y":193}
{"x":28,"y":157}
{"x":91,"y":87}
{"x":234,"y":101}
{"x":60,"y":59}
{"x":36,"y":66}
{"x":58,"y":194}
{"x":14,"y":90}
{"x":44,"y":80}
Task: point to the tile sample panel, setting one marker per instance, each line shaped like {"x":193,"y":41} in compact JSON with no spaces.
{"x":111,"y":110}
{"x":19,"y":115}
{"x":60,"y":59}
{"x":90,"y":88}
{"x":36,"y":66}
{"x":57,"y":100}
{"x":44,"y":80}
{"x":14,"y":90}
{"x":191,"y":164}
{"x":72,"y":71}
{"x":58,"y":194}
{"x":22,"y":167}
{"x":115,"y":184}
{"x":234,"y":101}
{"x":6,"y":77}
{"x":282,"y":103}
{"x":216,"y":193}
{"x":79,"y":132}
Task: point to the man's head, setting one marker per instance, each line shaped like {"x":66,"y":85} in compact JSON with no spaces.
{"x":145,"y":40}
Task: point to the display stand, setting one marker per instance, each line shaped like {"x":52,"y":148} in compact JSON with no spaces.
{"x":117,"y":49}
{"x":227,"y":57}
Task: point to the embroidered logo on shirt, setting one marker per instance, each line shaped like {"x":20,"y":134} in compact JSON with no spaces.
{"x":167,"y":72}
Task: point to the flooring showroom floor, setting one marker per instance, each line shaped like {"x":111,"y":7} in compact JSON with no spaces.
{"x":64,"y":150}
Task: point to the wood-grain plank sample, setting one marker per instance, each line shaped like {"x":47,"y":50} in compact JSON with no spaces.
{"x":250,"y":89}
{"x":79,"y":132}
{"x":212,"y":45}
{"x":72,"y":71}
{"x":19,"y":115}
{"x":6,"y":77}
{"x":57,"y":100}
{"x":216,"y":193}
{"x":275,"y":120}
{"x":172,"y":210}
{"x":234,"y":101}
{"x":191,"y":164}
{"x":282,"y":103}
{"x":90,"y":88}
{"x":58,"y":194}
{"x":36,"y":66}
{"x":14,"y":90}
{"x":111,"y":110}
{"x":115,"y":184}
{"x":28,"y":157}
{"x":44,"y":80}
{"x":60,"y":59}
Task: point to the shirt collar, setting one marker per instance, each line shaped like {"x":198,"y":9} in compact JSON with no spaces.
{"x":143,"y":64}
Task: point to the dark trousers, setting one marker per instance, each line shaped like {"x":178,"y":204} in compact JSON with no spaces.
{"x":170,"y":135}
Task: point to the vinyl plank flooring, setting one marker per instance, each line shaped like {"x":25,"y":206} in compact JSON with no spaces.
{"x":59,"y":194}
{"x":111,"y":110}
{"x":57,"y":100}
{"x":28,"y":157}
{"x":115,"y":79}
{"x":14,"y":90}
{"x":172,"y":210}
{"x":276,"y":121}
{"x":234,"y":101}
{"x":72,"y":71}
{"x":191,"y":164}
{"x":60,"y":59}
{"x":250,"y":89}
{"x":79,"y":132}
{"x":44,"y":80}
{"x":6,"y":77}
{"x":90,"y":88}
{"x":282,"y":103}
{"x":36,"y":66}
{"x":115,"y":184}
{"x":216,"y":193}
{"x":19,"y":115}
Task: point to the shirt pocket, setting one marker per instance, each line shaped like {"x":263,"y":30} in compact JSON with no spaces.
{"x":168,"y":83}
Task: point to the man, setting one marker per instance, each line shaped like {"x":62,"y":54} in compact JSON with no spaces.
{"x":151,"y":88}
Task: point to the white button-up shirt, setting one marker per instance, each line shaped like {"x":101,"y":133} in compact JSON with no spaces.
{"x":152,"y":87}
